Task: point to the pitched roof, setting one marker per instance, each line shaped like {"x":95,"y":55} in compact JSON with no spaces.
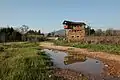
{"x":73,"y":23}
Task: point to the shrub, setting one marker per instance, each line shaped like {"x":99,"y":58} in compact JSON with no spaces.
{"x":1,"y":48}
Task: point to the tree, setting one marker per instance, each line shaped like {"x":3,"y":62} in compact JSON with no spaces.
{"x":36,"y":32}
{"x":14,"y":33}
{"x":109,"y":32}
{"x":49,"y":35}
{"x":24,"y":29}
{"x":53,"y":33}
{"x":9,"y":34}
{"x":92,"y":31}
{"x":98,"y":32}
{"x":39,"y":32}
{"x":89,"y":31}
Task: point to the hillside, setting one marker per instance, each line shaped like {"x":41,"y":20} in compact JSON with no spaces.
{"x":60,"y":32}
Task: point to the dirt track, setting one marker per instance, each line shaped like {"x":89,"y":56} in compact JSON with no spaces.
{"x":86,"y":52}
{"x":113,"y":61}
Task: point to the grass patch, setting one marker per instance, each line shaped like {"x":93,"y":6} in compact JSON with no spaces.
{"x":110,"y":48}
{"x":25,"y":61}
{"x":115,"y":49}
{"x":61,"y":43}
{"x":1,"y":48}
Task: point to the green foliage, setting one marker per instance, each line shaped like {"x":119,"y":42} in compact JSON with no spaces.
{"x":61,"y":42}
{"x":36,"y":38}
{"x":25,"y":62}
{"x":1,"y":48}
{"x":60,"y":38}
{"x":32,"y":32}
{"x":25,"y":68}
{"x":9,"y":34}
{"x":89,"y":31}
{"x":111,"y":48}
{"x":115,"y":49}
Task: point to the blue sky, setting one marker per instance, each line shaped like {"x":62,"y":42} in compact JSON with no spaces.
{"x":48,"y":15}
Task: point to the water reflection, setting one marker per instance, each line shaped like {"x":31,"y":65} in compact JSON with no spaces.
{"x":76,"y":62}
{"x":73,"y":58}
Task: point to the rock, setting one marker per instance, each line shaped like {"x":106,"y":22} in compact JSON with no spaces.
{"x":97,"y":61}
{"x":49,"y":76}
{"x":106,"y":65}
{"x":80,"y":75}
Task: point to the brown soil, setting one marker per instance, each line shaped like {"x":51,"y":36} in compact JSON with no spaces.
{"x":112,"y":68}
{"x":86,"y":52}
{"x":111,"y":61}
{"x":69,"y":75}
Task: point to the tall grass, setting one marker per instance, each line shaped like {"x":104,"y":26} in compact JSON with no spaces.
{"x":25,"y":62}
{"x":110,"y":48}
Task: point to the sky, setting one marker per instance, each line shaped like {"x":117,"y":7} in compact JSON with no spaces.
{"x":48,"y":15}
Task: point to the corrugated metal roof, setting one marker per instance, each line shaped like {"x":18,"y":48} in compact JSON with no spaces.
{"x":73,"y":23}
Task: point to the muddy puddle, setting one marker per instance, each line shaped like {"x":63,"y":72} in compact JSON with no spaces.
{"x":79,"y":63}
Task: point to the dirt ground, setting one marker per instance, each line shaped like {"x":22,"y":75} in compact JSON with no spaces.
{"x":69,"y":75}
{"x":111,"y":61}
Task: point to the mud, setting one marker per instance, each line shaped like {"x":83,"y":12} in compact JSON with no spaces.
{"x":110,"y":61}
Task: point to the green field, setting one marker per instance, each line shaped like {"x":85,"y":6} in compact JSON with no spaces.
{"x":24,"y":61}
{"x":110,"y":48}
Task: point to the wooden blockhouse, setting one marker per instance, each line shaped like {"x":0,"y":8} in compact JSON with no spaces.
{"x":75,"y":31}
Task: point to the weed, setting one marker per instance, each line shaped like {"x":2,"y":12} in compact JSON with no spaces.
{"x":25,"y":62}
{"x":110,"y":48}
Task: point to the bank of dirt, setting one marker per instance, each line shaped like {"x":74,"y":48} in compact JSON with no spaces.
{"x":111,"y":61}
{"x":103,"y":55}
{"x":69,"y":75}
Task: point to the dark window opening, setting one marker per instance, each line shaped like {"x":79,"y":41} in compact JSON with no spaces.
{"x":72,"y":36}
{"x":73,"y":30}
{"x":77,"y":36}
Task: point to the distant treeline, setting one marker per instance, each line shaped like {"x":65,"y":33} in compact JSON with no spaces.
{"x":9,"y":34}
{"x":89,"y":32}
{"x":100,"y":32}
